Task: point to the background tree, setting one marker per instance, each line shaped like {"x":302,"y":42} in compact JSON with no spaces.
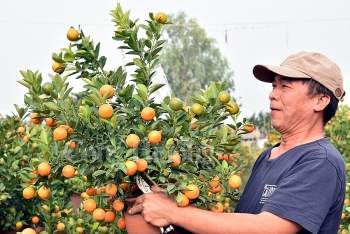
{"x":261,"y":121}
{"x":191,"y":59}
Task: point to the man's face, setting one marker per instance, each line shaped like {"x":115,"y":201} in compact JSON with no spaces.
{"x":291,"y":107}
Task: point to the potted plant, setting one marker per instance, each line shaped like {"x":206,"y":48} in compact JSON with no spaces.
{"x":120,"y":129}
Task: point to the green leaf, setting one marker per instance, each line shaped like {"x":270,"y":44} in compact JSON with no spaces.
{"x":24,"y":83}
{"x":154,"y":52}
{"x":159,"y":43}
{"x":129,"y":152}
{"x":97,"y":173}
{"x":148,"y":43}
{"x":138,"y":98}
{"x":138,"y":62}
{"x":178,"y":128}
{"x":24,"y":74}
{"x":142,"y":91}
{"x":44,"y":137}
{"x":52,"y":106}
{"x":57,"y":58}
{"x":130,"y":64}
{"x":95,"y":99}
{"x":68,"y":56}
{"x":179,"y":197}
{"x":169,"y":143}
{"x":67,"y":93}
{"x":171,"y":188}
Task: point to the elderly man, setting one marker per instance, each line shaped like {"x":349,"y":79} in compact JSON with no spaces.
{"x":296,"y":186}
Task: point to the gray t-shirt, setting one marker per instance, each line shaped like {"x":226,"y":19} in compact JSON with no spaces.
{"x":306,"y":185}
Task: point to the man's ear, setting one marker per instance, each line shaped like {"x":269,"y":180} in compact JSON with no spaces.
{"x":321,"y":101}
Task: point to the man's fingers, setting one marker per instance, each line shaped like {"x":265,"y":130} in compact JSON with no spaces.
{"x":136,"y":208}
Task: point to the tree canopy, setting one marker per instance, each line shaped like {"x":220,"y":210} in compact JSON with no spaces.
{"x":190,"y":59}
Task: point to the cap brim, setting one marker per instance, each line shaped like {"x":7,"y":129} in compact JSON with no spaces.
{"x":267,"y":73}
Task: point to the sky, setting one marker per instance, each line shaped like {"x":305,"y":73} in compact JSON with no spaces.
{"x":246,"y":32}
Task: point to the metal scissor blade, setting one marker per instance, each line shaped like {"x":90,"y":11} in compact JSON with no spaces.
{"x":142,"y":184}
{"x":146,"y":188}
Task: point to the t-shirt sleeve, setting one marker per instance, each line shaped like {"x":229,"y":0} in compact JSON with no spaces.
{"x":305,"y":194}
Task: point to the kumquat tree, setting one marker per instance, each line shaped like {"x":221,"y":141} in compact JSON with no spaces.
{"x":338,"y":130}
{"x":94,"y":143}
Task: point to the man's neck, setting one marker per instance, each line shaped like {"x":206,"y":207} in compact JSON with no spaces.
{"x":290,"y":141}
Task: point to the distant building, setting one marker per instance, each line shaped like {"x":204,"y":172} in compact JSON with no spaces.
{"x":252,"y":138}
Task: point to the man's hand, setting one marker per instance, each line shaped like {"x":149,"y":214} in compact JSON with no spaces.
{"x":156,"y":208}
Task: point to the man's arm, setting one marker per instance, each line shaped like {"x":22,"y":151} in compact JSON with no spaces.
{"x":162,"y":211}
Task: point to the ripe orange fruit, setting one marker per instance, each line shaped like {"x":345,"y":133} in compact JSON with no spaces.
{"x":68,"y":171}
{"x":35,"y":118}
{"x":79,"y":230}
{"x":118,"y":205}
{"x":90,"y":191}
{"x":248,"y":127}
{"x":176,"y":159}
{"x":60,"y":134}
{"x":50,"y":122}
{"x":235,"y":181}
{"x":125,"y":186}
{"x":214,"y":182}
{"x":175,"y":104}
{"x":228,"y":157}
{"x":141,"y":165}
{"x":224,"y":97}
{"x":217,"y":207}
{"x":193,"y":191}
{"x":44,"y":169}
{"x":44,"y":192}
{"x":89,"y":205}
{"x":56,"y":67}
{"x":232,"y":107}
{"x":194,"y":126}
{"x":99,"y":214}
{"x":26,"y":138}
{"x":105,"y":89}
{"x":32,"y":181}
{"x":29,"y":231}
{"x":161,"y":17}
{"x":19,"y":225}
{"x":215,"y":190}
{"x":105,"y":111}
{"x":131,"y":168}
{"x":197,"y":109}
{"x":184,"y":202}
{"x":72,"y":144}
{"x":72,"y":34}
{"x":60,"y":226}
{"x":132,"y":140}
{"x":111,"y":189}
{"x":68,"y":128}
{"x":110,"y":216}
{"x":101,"y":190}
{"x":154,"y":137}
{"x":121,"y":223}
{"x":21,"y":129}
{"x":35,"y":219}
{"x":148,"y":113}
